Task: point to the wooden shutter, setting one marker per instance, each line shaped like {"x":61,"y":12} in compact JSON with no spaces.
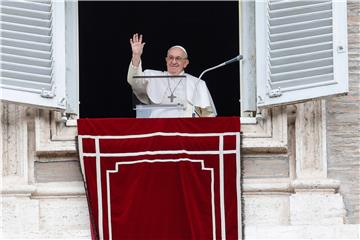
{"x":301,"y":50}
{"x":32,"y":36}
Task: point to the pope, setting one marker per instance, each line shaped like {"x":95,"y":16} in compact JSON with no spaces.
{"x":171,"y":86}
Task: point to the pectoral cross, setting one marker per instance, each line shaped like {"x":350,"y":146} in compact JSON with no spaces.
{"x":171,"y":97}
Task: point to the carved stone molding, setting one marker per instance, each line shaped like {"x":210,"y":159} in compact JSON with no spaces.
{"x":59,"y":190}
{"x":310,"y":130}
{"x":316,"y":185}
{"x":14,"y":143}
{"x":266,"y":186}
{"x":315,"y":200}
{"x":269,"y":134}
{"x":52,"y":136}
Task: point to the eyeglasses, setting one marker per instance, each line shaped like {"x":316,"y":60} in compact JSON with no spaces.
{"x":172,"y":58}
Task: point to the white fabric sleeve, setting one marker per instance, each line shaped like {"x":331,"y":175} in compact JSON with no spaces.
{"x":138,"y":85}
{"x":200,"y":97}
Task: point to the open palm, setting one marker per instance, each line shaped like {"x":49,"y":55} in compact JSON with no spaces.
{"x":137,"y":45}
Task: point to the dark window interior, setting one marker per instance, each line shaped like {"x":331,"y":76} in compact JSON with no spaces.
{"x":208,"y":30}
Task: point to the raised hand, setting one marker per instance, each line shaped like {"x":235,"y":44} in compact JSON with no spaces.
{"x":137,"y":45}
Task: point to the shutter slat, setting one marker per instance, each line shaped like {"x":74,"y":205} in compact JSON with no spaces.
{"x":25,"y":20}
{"x":25,"y":68}
{"x":299,"y":10}
{"x":25,"y":36}
{"x":300,"y":26}
{"x":301,"y":41}
{"x":301,"y":73}
{"x":300,"y":50}
{"x":26,"y":52}
{"x":312,"y":55}
{"x":11,"y":83}
{"x":26,"y":28}
{"x":301,"y":34}
{"x":25,"y":44}
{"x":26,"y":60}
{"x":300,"y":18}
{"x":25,"y":13}
{"x":289,"y":4}
{"x":40,"y":1}
{"x":39,"y":6}
{"x":301,"y":65}
{"x":26,"y":76}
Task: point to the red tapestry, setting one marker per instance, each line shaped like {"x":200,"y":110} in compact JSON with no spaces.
{"x":162,"y":178}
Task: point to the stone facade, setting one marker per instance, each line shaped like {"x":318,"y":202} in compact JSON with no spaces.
{"x":39,"y":201}
{"x":301,"y":166}
{"x":343,"y":125}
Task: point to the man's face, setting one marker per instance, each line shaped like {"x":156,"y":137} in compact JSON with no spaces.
{"x":176,"y":61}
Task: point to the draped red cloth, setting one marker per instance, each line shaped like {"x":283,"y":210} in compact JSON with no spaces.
{"x":176,"y":178}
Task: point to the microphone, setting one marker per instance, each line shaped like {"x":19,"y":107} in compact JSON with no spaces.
{"x":235,"y":59}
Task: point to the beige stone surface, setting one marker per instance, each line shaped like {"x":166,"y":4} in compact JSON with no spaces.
{"x":316,"y":208}
{"x":343,"y":125}
{"x":350,"y":231}
{"x":266,"y":209}
{"x":63,"y":213}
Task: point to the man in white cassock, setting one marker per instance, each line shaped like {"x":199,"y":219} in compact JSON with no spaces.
{"x":168,"y":91}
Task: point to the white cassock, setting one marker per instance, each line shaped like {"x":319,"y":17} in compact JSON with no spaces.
{"x":167,"y":91}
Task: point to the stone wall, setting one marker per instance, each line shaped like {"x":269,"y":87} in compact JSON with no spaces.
{"x":343,"y":125}
{"x":42,"y":192}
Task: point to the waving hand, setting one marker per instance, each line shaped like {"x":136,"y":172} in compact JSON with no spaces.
{"x":137,"y":47}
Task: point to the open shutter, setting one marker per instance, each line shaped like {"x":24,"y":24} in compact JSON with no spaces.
{"x":32,"y":37}
{"x":301,"y":50}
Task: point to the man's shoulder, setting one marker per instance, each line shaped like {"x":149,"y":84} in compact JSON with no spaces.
{"x":189,"y":76}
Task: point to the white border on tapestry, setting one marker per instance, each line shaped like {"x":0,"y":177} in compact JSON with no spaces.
{"x":116,"y":170}
{"x":166,"y":134}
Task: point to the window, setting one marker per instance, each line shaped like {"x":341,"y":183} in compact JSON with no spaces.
{"x":300,"y":52}
{"x":199,"y":26}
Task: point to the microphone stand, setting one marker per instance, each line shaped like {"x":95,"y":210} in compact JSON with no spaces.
{"x":235,"y":59}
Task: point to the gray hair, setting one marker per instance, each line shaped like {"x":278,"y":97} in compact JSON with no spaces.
{"x":181,"y":48}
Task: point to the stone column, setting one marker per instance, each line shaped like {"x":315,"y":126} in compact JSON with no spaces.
{"x":315,"y":199}
{"x":19,"y":212}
